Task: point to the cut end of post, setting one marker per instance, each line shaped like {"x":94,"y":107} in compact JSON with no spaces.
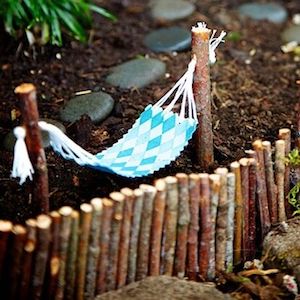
{"x":257,"y":145}
{"x":234,"y":165}
{"x":160,"y":185}
{"x":221,"y":171}
{"x":65,"y":211}
{"x":202,"y":30}
{"x":5,"y":226}
{"x":25,"y":88}
{"x":117,"y":196}
{"x":127,"y":192}
{"x":97,"y":204}
{"x":19,"y":230}
{"x":43,"y":221}
{"x":86,"y":208}
{"x":244,"y":162}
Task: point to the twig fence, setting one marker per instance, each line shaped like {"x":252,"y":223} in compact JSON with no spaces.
{"x":193,"y":226}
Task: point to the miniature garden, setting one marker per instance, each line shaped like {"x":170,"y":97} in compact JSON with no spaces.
{"x":205,"y":185}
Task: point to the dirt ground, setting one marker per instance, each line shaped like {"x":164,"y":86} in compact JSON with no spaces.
{"x":250,"y":100}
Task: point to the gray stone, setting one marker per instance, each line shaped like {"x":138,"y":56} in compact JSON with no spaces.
{"x":136,"y":73}
{"x":291,"y":34}
{"x":282,"y":247}
{"x":168,"y":39}
{"x":272,"y":12}
{"x":10,"y":139}
{"x":171,"y":9}
{"x":96,"y":105}
{"x":167,"y":288}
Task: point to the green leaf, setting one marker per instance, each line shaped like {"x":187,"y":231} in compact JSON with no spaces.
{"x":103,"y":12}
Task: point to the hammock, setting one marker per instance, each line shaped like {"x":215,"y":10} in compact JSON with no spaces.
{"x":156,"y":138}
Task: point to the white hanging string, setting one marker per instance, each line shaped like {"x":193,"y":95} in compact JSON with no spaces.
{"x":22,"y":166}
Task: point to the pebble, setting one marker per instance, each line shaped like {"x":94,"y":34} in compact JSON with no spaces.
{"x":10,"y":139}
{"x":136,"y":73}
{"x":96,"y":105}
{"x":171,"y":9}
{"x":292,"y":33}
{"x":168,"y":39}
{"x":272,"y":12}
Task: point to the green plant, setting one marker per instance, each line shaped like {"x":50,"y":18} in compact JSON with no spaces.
{"x":43,"y":20}
{"x":293,"y":158}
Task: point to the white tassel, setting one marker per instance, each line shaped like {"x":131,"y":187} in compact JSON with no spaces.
{"x":66,"y":147}
{"x":22,"y":166}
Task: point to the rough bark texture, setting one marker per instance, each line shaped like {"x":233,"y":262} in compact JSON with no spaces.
{"x":5,"y":231}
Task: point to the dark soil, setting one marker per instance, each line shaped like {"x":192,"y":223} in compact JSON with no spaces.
{"x":249,"y":100}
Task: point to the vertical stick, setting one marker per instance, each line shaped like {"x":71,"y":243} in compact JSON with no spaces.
{"x":230,"y":221}
{"x":262,"y":188}
{"x":54,"y":259}
{"x":244,"y":165}
{"x":238,"y":216}
{"x":252,"y":208}
{"x":111,"y":275}
{"x":157,"y":227}
{"x":170,"y":229}
{"x":205,"y":226}
{"x":285,"y":134}
{"x":27,"y":95}
{"x":201,"y":89}
{"x":125,"y":237}
{"x":214,"y":182}
{"x":64,"y":235}
{"x":104,"y":244}
{"x":145,"y":231}
{"x":16,"y":252}
{"x":192,"y":252}
{"x":72,"y":257}
{"x":134,"y":234}
{"x":41,"y":256}
{"x":85,"y":226}
{"x":26,"y":266}
{"x":182,"y":225}
{"x":5,"y":230}
{"x":297,"y":140}
{"x":93,"y":249}
{"x":222,"y":217}
{"x":279,"y":175}
{"x":271,"y":188}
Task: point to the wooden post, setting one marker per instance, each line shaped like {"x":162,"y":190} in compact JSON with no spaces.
{"x":104,"y":244}
{"x":93,"y":250}
{"x":145,"y":231}
{"x":27,"y":95}
{"x":205,"y":226}
{"x":182,"y":225}
{"x":157,"y":227}
{"x":192,"y":252}
{"x":201,"y":89}
{"x":5,"y":231}
{"x":297,"y":139}
{"x":134,"y":234}
{"x":170,"y":227}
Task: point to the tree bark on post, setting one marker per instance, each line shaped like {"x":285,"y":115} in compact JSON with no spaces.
{"x":27,"y":95}
{"x":201,"y":89}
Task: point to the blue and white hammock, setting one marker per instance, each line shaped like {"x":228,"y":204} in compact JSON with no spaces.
{"x":156,"y":138}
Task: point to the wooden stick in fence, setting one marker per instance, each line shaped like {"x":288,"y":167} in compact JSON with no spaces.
{"x":271,"y":187}
{"x":262,"y":189}
{"x":297,"y":139}
{"x":205,"y":226}
{"x":222,"y":218}
{"x":107,"y":213}
{"x":170,"y":227}
{"x":252,"y":208}
{"x":134,"y":234}
{"x":16,"y":253}
{"x":238,"y":216}
{"x":111,"y":275}
{"x":230,"y":221}
{"x":157,"y":227}
{"x":145,"y":231}
{"x":244,"y":166}
{"x":41,"y":256}
{"x":26,"y":265}
{"x":201,"y":89}
{"x":125,"y":237}
{"x":27,"y":95}
{"x":54,"y":260}
{"x":192,"y":250}
{"x":279,"y":176}
{"x":85,"y":226}
{"x":182,"y":225}
{"x":64,"y":237}
{"x":285,"y":134}
{"x":93,"y":250}
{"x":214,"y":182}
{"x":72,"y":257}
{"x":5,"y":230}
